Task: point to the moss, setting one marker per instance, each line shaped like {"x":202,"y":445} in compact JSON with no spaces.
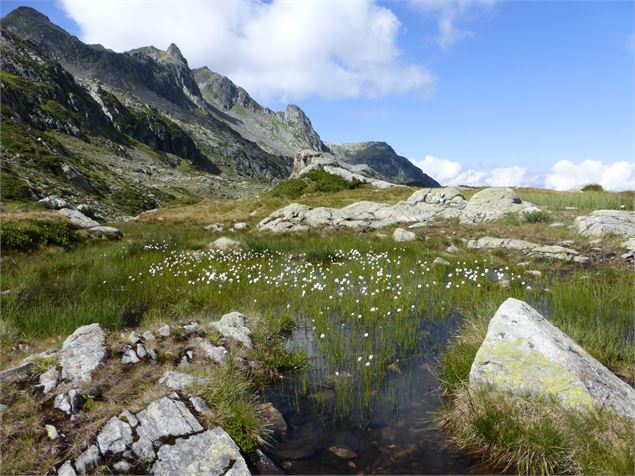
{"x":316,"y":180}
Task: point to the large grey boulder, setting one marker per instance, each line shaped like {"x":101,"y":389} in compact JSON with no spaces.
{"x":165,"y":418}
{"x":77,"y":218}
{"x":233,"y":326}
{"x":212,"y":453}
{"x":105,"y":232}
{"x":528,"y":248}
{"x":600,"y":223}
{"x":82,"y":352}
{"x":493,"y":204}
{"x":523,"y":353}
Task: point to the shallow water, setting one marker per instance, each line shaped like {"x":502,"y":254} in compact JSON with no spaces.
{"x":396,"y":435}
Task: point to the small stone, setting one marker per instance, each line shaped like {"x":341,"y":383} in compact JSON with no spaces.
{"x":152,"y":354}
{"x":201,"y":406}
{"x":141,"y":351}
{"x":69,"y":402}
{"x":233,"y":326}
{"x":400,"y":234}
{"x":129,"y":356}
{"x":88,"y":460}
{"x":191,"y":328}
{"x":134,"y":338}
{"x":240,"y":226}
{"x":214,"y":353}
{"x":441,"y":261}
{"x":122,"y":467}
{"x":217,"y":227}
{"x":184,"y":363}
{"x":452,"y":249}
{"x":225,"y":244}
{"x":164,"y":418}
{"x":48,"y":380}
{"x":66,"y":470}
{"x":51,"y":432}
{"x":164,"y":331}
{"x":533,"y":272}
{"x":504,"y":284}
{"x":127,"y":416}
{"x":148,"y":336}
{"x":273,"y":416}
{"x":176,"y":380}
{"x":114,"y":437}
{"x":343,"y":452}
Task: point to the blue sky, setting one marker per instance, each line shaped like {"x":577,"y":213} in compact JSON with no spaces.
{"x":540,"y":91}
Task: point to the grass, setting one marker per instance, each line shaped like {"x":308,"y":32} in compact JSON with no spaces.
{"x":357,"y":295}
{"x":583,"y":201}
{"x":30,"y":235}
{"x":317,"y":180}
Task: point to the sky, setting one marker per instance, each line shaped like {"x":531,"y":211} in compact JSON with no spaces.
{"x":475,"y":92}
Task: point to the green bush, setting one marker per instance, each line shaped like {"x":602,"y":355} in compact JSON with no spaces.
{"x":29,"y":235}
{"x":593,"y":187}
{"x":317,"y":180}
{"x":537,"y":216}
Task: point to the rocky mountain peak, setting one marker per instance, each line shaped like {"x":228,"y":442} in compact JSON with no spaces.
{"x":173,"y":51}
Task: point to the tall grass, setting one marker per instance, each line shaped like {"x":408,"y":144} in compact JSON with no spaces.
{"x":588,"y":200}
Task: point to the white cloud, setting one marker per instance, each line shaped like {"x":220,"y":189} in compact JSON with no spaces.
{"x":447,"y":172}
{"x":279,"y":50}
{"x":449,"y":13}
{"x":565,"y":175}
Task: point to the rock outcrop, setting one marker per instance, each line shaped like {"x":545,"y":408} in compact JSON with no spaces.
{"x":421,"y":207}
{"x":526,"y":355}
{"x":307,"y":160}
{"x":600,"y":223}
{"x":493,"y":204}
{"x":529,"y":249}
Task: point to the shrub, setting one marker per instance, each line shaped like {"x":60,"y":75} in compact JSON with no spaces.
{"x":593,"y":187}
{"x":29,"y":235}
{"x":317,"y":180}
{"x":537,"y":216}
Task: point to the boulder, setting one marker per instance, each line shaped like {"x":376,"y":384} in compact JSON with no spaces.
{"x":600,"y":223}
{"x":176,"y":380}
{"x":69,"y":402}
{"x":66,"y":470}
{"x":82,"y":352}
{"x":212,"y":352}
{"x":77,"y":218}
{"x":48,"y":380}
{"x":88,"y":460}
{"x":166,"y":417}
{"x":239,"y":226}
{"x":164,"y":331}
{"x":105,"y":232}
{"x":216,"y":227}
{"x":55,"y":203}
{"x":233,"y":326}
{"x":225,"y":244}
{"x":526,"y":355}
{"x":403,"y":235}
{"x":212,"y":453}
{"x":493,"y":204}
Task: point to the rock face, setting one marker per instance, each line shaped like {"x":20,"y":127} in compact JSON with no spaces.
{"x":606,"y":222}
{"x":494,"y":203}
{"x":525,"y":354}
{"x":528,"y":248}
{"x":233,"y":326}
{"x":82,"y":352}
{"x":212,"y":453}
{"x":308,"y":160}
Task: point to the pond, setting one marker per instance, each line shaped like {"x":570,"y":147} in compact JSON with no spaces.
{"x":332,"y":433}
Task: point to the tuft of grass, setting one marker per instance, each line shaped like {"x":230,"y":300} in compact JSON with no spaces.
{"x":538,"y":216}
{"x":593,"y":187}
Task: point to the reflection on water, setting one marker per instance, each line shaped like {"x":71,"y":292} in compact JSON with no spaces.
{"x":394,"y":435}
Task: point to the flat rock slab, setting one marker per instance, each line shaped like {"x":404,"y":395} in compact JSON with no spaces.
{"x":600,"y":223}
{"x":82,"y":352}
{"x":77,"y":218}
{"x":528,"y":248}
{"x":114,"y":437}
{"x":493,"y":204}
{"x":523,"y":353}
{"x":225,"y":244}
{"x":210,"y":453}
{"x":233,"y":326}
{"x":165,"y":418}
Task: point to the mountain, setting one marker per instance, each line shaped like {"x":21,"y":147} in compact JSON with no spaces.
{"x":382,"y":159}
{"x":141,"y":127}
